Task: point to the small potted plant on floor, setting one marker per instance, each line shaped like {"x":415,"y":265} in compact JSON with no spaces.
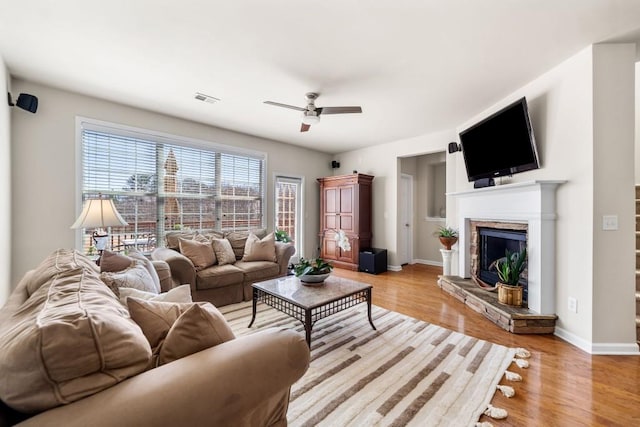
{"x":312,"y":271}
{"x":448,"y":236}
{"x":509,"y":269}
{"x":282,"y":236}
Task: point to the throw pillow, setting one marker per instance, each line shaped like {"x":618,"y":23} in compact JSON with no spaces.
{"x":201,"y":326}
{"x":171,"y":238}
{"x":223,"y":250}
{"x":112,"y":262}
{"x":260,"y":250}
{"x":180,"y":294}
{"x":200,"y":253}
{"x":155,"y":318}
{"x":148,"y":264}
{"x":181,"y":327}
{"x":70,"y":339}
{"x":136,"y":276}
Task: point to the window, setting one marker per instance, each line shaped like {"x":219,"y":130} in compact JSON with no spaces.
{"x":288,"y":193}
{"x":161,"y":183}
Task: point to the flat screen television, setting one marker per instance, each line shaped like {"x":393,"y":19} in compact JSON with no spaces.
{"x":501,"y":144}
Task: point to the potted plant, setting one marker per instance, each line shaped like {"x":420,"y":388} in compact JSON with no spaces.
{"x":312,"y":271}
{"x":282,"y":236}
{"x":448,"y":236}
{"x":510,"y":268}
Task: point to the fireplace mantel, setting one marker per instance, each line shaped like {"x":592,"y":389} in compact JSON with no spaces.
{"x":531,"y":202}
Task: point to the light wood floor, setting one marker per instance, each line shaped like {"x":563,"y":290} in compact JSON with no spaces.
{"x":564,"y":386}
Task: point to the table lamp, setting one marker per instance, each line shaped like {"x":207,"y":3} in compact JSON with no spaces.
{"x":99,"y":213}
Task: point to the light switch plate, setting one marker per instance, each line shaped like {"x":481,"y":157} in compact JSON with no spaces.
{"x":610,"y":222}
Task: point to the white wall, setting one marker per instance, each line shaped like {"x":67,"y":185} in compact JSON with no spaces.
{"x":382,"y":161}
{"x":582,"y":115}
{"x":613,"y":142}
{"x":5,"y":188}
{"x":43,"y":168}
{"x":637,"y":128}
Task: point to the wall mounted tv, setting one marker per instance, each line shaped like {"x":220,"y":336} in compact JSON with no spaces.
{"x":501,"y":144}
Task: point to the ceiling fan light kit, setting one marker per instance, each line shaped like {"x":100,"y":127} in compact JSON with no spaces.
{"x":310,"y":118}
{"x":311,"y":114}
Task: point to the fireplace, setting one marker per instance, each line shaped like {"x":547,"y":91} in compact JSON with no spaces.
{"x":526,"y":206}
{"x":492,"y":244}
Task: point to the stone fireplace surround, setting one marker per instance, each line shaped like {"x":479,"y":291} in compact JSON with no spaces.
{"x":530,"y":203}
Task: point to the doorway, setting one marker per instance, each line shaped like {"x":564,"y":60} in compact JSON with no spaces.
{"x":405,"y":241}
{"x":288,"y":195}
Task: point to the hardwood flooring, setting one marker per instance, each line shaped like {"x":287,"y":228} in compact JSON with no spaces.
{"x":563,"y":386}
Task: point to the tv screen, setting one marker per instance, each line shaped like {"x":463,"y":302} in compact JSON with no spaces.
{"x":502,"y":144}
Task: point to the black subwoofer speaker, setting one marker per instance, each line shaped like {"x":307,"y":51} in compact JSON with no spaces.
{"x":373,"y":261}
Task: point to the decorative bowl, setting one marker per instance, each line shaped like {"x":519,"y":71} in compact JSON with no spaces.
{"x":313,"y":279}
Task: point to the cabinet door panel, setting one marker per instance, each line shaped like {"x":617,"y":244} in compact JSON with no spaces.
{"x":329,"y":248}
{"x":330,"y":199}
{"x":346,"y":200}
{"x":346,"y":222}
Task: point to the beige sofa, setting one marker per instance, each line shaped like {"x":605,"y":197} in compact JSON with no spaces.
{"x":228,"y":283}
{"x":73,"y":356}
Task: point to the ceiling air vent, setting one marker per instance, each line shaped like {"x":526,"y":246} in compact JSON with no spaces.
{"x":206,"y":98}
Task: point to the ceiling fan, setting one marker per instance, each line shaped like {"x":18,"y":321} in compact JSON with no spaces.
{"x":311,"y":114}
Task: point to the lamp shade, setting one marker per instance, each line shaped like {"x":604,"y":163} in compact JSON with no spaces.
{"x":99,"y":213}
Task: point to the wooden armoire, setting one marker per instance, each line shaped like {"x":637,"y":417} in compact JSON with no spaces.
{"x":345,"y":204}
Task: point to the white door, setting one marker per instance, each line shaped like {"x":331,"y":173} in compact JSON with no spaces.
{"x":405,"y":218}
{"x":288,"y":194}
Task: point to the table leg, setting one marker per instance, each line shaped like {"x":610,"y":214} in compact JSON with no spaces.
{"x":307,"y":326}
{"x":369,"y":309}
{"x":255,"y":303}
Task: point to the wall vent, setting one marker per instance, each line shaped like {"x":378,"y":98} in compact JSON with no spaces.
{"x":206,"y":98}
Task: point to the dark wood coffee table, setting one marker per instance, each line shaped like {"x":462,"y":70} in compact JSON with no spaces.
{"x":309,"y":304}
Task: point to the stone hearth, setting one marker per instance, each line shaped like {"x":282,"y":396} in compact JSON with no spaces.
{"x":517,"y":320}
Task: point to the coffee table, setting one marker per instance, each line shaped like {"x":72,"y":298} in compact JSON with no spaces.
{"x":308,"y":303}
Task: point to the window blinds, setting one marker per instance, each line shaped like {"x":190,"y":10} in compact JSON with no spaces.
{"x":159,"y":183}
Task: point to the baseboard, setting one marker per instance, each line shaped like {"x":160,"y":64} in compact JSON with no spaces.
{"x":630,"y":349}
{"x":427,"y":262}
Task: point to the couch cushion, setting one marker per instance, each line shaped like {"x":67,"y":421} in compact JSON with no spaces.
{"x":148,"y":264}
{"x":155,"y":318}
{"x":223,"y":250}
{"x":71,"y":338}
{"x":112,"y":261}
{"x":201,"y":254}
{"x":199,"y":327}
{"x":177,"y":330}
{"x":218,"y":276}
{"x":180,"y":294}
{"x":255,"y":271}
{"x":58,"y":262}
{"x":136,"y":276}
{"x":172,"y":238}
{"x":238,"y":240}
{"x":260,"y":250}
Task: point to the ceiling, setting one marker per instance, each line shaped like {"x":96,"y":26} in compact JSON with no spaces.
{"x":415,"y":66}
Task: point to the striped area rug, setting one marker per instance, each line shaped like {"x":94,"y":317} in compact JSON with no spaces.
{"x":408,"y":372}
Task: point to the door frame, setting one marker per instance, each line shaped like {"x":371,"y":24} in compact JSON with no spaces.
{"x":300,"y":232}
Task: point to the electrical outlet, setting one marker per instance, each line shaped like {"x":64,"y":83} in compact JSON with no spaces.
{"x":573,"y":304}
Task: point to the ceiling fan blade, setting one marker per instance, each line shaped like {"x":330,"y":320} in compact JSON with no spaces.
{"x":338,"y":110}
{"x":293,"y":107}
{"x":305,"y":127}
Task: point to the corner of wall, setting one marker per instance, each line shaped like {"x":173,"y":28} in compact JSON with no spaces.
{"x":5,"y":188}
